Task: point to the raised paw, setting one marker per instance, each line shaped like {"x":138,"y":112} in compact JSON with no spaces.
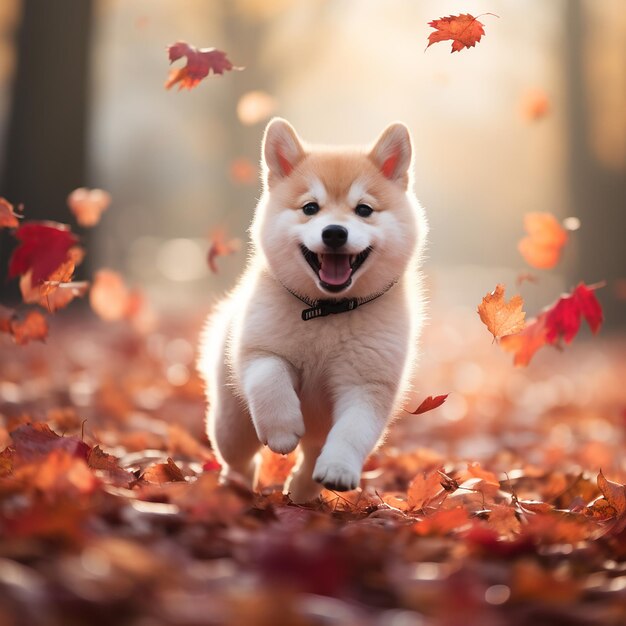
{"x":283,"y":442}
{"x":336,"y":475}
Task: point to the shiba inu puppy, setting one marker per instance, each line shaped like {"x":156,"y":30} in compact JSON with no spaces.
{"x":315,"y":347}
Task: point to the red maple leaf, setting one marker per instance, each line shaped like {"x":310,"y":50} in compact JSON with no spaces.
{"x":44,"y":247}
{"x":430,"y":403}
{"x":200,"y":62}
{"x":464,"y":30}
{"x":35,"y":441}
{"x":559,"y":321}
{"x":563,"y":319}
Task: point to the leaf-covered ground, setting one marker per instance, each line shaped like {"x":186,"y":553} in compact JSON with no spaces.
{"x":484,"y":511}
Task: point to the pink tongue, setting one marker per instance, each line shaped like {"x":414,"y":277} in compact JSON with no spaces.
{"x":335,"y":268}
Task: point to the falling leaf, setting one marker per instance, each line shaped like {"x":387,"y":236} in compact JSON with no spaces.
{"x":109,"y":297}
{"x":63,"y":295}
{"x":59,"y":290}
{"x":220,"y":246}
{"x":43,"y":249}
{"x":33,"y":327}
{"x":255,"y":106}
{"x":8,"y":217}
{"x":525,"y":344}
{"x":243,"y":171}
{"x":87,"y":205}
{"x":430,"y":403}
{"x":563,"y":318}
{"x":464,"y":30}
{"x":200,"y":62}
{"x":501,"y":318}
{"x":546,"y":237}
{"x":526,"y":277}
{"x":559,"y":321}
{"x":535,"y":105}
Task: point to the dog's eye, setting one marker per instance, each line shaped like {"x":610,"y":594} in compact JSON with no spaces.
{"x":310,"y":208}
{"x":363,"y":210}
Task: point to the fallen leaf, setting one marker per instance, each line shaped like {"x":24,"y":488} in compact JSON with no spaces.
{"x":501,"y":318}
{"x":442,"y":522}
{"x":430,"y":403}
{"x":43,"y":249}
{"x":8,"y":217}
{"x":100,"y":460}
{"x":220,"y":246}
{"x":424,"y":489}
{"x":464,"y":30}
{"x":200,"y":62}
{"x":32,"y":442}
{"x":546,"y":238}
{"x":59,"y":473}
{"x":503,"y":519}
{"x":164,"y":473}
{"x":615,"y":496}
{"x":87,"y":205}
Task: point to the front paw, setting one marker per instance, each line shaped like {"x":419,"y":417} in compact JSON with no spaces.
{"x":283,"y":442}
{"x":336,"y":475}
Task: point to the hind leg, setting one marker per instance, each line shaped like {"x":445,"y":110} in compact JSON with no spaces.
{"x":300,"y":485}
{"x":233,"y":437}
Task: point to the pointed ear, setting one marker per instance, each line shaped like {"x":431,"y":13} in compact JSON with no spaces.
{"x":282,"y":149}
{"x":392,"y":153}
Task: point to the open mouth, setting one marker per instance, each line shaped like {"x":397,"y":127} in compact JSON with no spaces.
{"x":334,"y":270}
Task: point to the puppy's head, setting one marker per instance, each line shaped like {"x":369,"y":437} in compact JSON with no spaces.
{"x":337,"y":222}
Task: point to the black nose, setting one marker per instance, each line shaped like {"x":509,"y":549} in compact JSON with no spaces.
{"x":335,"y":236}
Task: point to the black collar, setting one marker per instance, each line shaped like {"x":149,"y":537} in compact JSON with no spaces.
{"x":322,"y":308}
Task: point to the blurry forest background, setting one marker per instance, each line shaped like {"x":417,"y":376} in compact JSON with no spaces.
{"x":82,"y":104}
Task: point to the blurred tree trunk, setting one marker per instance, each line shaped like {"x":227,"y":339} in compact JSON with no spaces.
{"x":45,"y":147}
{"x":597,"y":192}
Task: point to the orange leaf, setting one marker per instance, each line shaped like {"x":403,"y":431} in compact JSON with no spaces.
{"x":464,"y":30}
{"x":615,"y":494}
{"x":443,"y":522}
{"x":430,"y":403}
{"x":525,"y":343}
{"x":200,"y":62}
{"x":112,"y":301}
{"x":501,"y":318}
{"x":164,"y":473}
{"x":476,"y":471}
{"x":546,"y":237}
{"x":559,"y":321}
{"x":87,"y":205}
{"x":32,"y":328}
{"x":535,"y":105}
{"x":424,"y":489}
{"x":8,"y":217}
